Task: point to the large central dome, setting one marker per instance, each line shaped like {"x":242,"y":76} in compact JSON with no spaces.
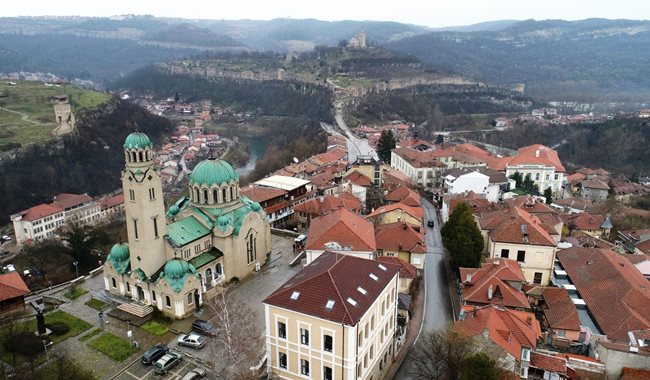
{"x":137,"y":140}
{"x":213,"y":172}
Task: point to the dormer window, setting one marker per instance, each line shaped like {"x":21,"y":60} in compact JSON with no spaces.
{"x":295,"y":295}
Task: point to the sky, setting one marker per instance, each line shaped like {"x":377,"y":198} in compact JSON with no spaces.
{"x":432,"y":13}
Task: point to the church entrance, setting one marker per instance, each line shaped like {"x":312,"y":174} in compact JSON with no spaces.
{"x":208,"y":277}
{"x":196,"y":300}
{"x":140,"y":293}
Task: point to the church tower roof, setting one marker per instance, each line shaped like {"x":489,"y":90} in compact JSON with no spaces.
{"x":213,"y":172}
{"x":137,"y":140}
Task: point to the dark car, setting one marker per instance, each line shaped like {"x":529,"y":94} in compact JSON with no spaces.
{"x":166,"y":362}
{"x":154,"y":353}
{"x":430,"y":223}
{"x":203,"y":327}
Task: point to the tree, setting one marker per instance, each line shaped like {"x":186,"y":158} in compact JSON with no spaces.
{"x":548,"y":194}
{"x":441,"y":354}
{"x":238,"y":338}
{"x":519,"y":179}
{"x":479,"y":366}
{"x":80,"y":241}
{"x":385,"y":144}
{"x":440,"y":139}
{"x":462,"y":238}
{"x":177,"y":97}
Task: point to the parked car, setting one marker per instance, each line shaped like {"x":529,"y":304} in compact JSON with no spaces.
{"x":430,"y":223}
{"x":191,"y":340}
{"x":203,"y":327}
{"x":196,"y":373}
{"x":6,"y":238}
{"x":167,"y":362}
{"x":154,"y":353}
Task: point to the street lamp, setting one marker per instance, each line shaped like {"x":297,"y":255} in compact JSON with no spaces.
{"x":76,"y":267}
{"x":45,"y":344}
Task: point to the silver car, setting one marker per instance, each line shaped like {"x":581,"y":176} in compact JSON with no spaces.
{"x":196,"y":373}
{"x":193,"y":340}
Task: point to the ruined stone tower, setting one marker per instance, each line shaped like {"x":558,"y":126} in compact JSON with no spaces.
{"x":65,"y":121}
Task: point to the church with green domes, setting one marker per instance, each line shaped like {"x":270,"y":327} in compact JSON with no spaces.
{"x":178,"y":256}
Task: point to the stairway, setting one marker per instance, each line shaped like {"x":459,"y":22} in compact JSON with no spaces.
{"x":136,"y":309}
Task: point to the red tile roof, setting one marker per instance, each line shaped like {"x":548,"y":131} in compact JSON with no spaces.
{"x":337,"y":278}
{"x":262,"y":194}
{"x":358,"y":178}
{"x":644,"y":246}
{"x":560,"y":311}
{"x":494,"y":275}
{"x":512,"y":330}
{"x":404,"y":195}
{"x":112,"y":201}
{"x":399,"y":236}
{"x":475,"y":202}
{"x":584,"y":221}
{"x":616,"y":293}
{"x":634,"y":374}
{"x":406,"y":270}
{"x":537,"y":154}
{"x":415,"y":212}
{"x":326,"y":204}
{"x":506,"y":227}
{"x":595,"y":184}
{"x":530,"y":204}
{"x":66,"y":200}
{"x":12,"y":286}
{"x":548,"y":362}
{"x":343,"y":227}
{"x":418,"y":159}
{"x":40,"y":211}
{"x":393,"y":178}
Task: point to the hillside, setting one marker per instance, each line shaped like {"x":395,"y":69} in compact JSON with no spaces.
{"x":589,"y":60}
{"x":88,"y":161}
{"x":192,"y":36}
{"x":27,"y":114}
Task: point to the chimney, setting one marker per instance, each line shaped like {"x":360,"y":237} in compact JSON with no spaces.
{"x":490,"y":293}
{"x":468,"y":277}
{"x":322,"y":199}
{"x":537,"y":153}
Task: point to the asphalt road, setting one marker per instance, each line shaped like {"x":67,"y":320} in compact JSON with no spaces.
{"x":437,"y":306}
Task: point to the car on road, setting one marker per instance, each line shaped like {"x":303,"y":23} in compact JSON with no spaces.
{"x":191,"y":340}
{"x":167,"y":362}
{"x":203,"y":327}
{"x":154,"y":353}
{"x":6,"y":238}
{"x":196,"y":373}
{"x":430,"y":223}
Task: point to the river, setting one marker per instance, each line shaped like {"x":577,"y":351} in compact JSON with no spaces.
{"x":257,"y":148}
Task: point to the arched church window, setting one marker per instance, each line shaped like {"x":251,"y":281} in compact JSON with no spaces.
{"x":223,"y":194}
{"x":132,"y":156}
{"x":215,"y":194}
{"x":196,"y":194}
{"x":205,"y":196}
{"x":114,"y":282}
{"x":168,"y":301}
{"x":218,"y":269}
{"x":140,"y":156}
{"x":232,"y":190}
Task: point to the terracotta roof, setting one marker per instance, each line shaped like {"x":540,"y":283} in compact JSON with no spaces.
{"x":575,"y":178}
{"x":494,"y":276}
{"x":12,"y":286}
{"x":548,"y":362}
{"x":634,"y":374}
{"x":40,"y":211}
{"x":418,"y":159}
{"x":399,"y":236}
{"x":404,"y":195}
{"x":393,"y":178}
{"x":560,"y":311}
{"x":406,"y":270}
{"x":495,"y":176}
{"x":516,"y":226}
{"x":492,"y":161}
{"x":261,"y":193}
{"x":510,"y":329}
{"x":476,"y":203}
{"x":616,"y":293}
{"x":530,"y":204}
{"x":415,"y":212}
{"x":325,"y":204}
{"x":358,"y":178}
{"x":577,"y":203}
{"x":537,"y":154}
{"x":584,"y":221}
{"x":343,"y":227}
{"x":323,"y":180}
{"x":276,"y":207}
{"x":337,"y":278}
{"x":66,"y":200}
{"x":112,"y":201}
{"x":594,"y":184}
{"x":635,"y":259}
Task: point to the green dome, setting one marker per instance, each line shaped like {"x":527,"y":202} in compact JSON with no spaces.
{"x":223,"y":221}
{"x":212,"y":172}
{"x":173,"y":210}
{"x":137,"y":140}
{"x":119,"y":252}
{"x":176,"y":268}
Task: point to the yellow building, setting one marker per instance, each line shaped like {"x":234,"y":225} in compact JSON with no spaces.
{"x":396,"y":212}
{"x":335,"y":319}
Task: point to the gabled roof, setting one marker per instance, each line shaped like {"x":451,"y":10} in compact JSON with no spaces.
{"x":584,"y":221}
{"x":336,"y":278}
{"x":537,"y":154}
{"x":40,"y":211}
{"x":516,"y":226}
{"x":358,"y":178}
{"x":560,"y":311}
{"x":493,"y":277}
{"x":594,"y":184}
{"x":404,"y":195}
{"x":616,"y":293}
{"x":476,"y":203}
{"x":341,"y":226}
{"x":406,"y":270}
{"x":261,"y":193}
{"x":399,"y":236}
{"x":112,"y":201}
{"x":418,"y":159}
{"x":12,"y":286}
{"x":185,"y":231}
{"x":510,"y":329}
{"x":328,"y":203}
{"x":67,"y":200}
{"x":415,"y":212}
{"x":530,"y":204}
{"x":494,"y":176}
{"x":548,"y":362}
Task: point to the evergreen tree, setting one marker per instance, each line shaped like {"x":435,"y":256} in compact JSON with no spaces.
{"x":479,"y":366}
{"x":462,"y":238}
{"x":519,"y":179}
{"x":385,"y":145}
{"x":440,"y":139}
{"x":548,"y":194}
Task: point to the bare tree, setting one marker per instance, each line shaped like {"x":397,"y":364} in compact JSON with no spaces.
{"x":440,"y":354}
{"x":237,"y":335}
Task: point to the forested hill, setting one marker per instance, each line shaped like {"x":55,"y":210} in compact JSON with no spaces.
{"x":89,"y":160}
{"x":593,"y":59}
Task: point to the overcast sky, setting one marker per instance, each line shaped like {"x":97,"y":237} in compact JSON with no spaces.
{"x":433,"y":13}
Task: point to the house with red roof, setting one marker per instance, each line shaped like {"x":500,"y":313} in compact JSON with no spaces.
{"x":403,"y":240}
{"x":422,"y":167}
{"x":396,"y":212}
{"x":315,"y":207}
{"x":404,"y":195}
{"x":341,"y":231}
{"x":274,"y":201}
{"x":590,"y":224}
{"x":560,"y":315}
{"x":112,"y":205}
{"x":541,"y":162}
{"x":12,"y":292}
{"x":407,"y":272}
{"x":336,"y":318}
{"x":478,"y":204}
{"x":497,"y":282}
{"x":547,"y":366}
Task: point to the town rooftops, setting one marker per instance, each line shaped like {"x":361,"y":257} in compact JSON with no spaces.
{"x":12,"y":286}
{"x":39,"y":212}
{"x":583,"y":221}
{"x":616,"y":293}
{"x":344,"y":228}
{"x":328,"y":288}
{"x":594,"y":184}
{"x":491,"y":284}
{"x":359,"y":179}
{"x":516,"y":226}
{"x":418,"y":159}
{"x":536,"y":154}
{"x":404,"y":195}
{"x":261,"y":194}
{"x":66,"y":200}
{"x":399,"y":236}
{"x":325,"y":204}
{"x":406,"y":270}
{"x":112,"y":201}
{"x":415,"y":212}
{"x":548,"y":363}
{"x":282,"y":182}
{"x":559,"y":310}
{"x":494,"y":176}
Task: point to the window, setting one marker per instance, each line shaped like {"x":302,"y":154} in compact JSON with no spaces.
{"x":360,"y":339}
{"x":132,"y":195}
{"x":557,"y":176}
{"x":190,"y":299}
{"x":359,"y":371}
{"x":327,"y":373}
{"x":114,"y":283}
{"x":372,"y":323}
{"x":282,"y":330}
{"x":521,"y":256}
{"x":232,"y":192}
{"x":328,"y":343}
{"x":223,"y":195}
{"x":372,"y":352}
{"x":538,"y":278}
{"x":251,"y":248}
{"x":365,"y":331}
{"x":304,"y":336}
{"x":155,"y":227}
{"x":282,"y":360}
{"x":205,"y":196}
{"x":304,"y":367}
{"x":168,"y":301}
{"x":153,"y":295}
{"x":152,"y":194}
{"x":135,"y":228}
{"x":128,"y":287}
{"x":537,"y":177}
{"x":196,"y":194}
{"x":505,"y":253}
{"x":214,"y":196}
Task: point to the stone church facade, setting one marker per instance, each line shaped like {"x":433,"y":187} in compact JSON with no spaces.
{"x":174,"y":257}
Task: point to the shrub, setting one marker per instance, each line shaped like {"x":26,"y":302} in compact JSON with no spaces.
{"x":58,"y":328}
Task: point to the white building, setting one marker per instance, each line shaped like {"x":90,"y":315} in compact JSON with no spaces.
{"x":542,"y":163}
{"x":485,"y":182}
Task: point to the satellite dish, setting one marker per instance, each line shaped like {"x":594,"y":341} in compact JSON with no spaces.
{"x":295,"y":159}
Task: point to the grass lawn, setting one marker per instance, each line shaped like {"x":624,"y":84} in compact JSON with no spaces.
{"x":112,"y":346}
{"x":97,"y":304}
{"x":519,"y":192}
{"x":77,"y":326}
{"x":90,"y":334}
{"x":155,"y":328}
{"x":75,"y":293}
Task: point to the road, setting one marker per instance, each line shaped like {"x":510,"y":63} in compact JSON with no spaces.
{"x":437,"y":304}
{"x":356,"y":146}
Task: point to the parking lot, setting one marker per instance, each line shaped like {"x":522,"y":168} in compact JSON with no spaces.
{"x":139,"y":371}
